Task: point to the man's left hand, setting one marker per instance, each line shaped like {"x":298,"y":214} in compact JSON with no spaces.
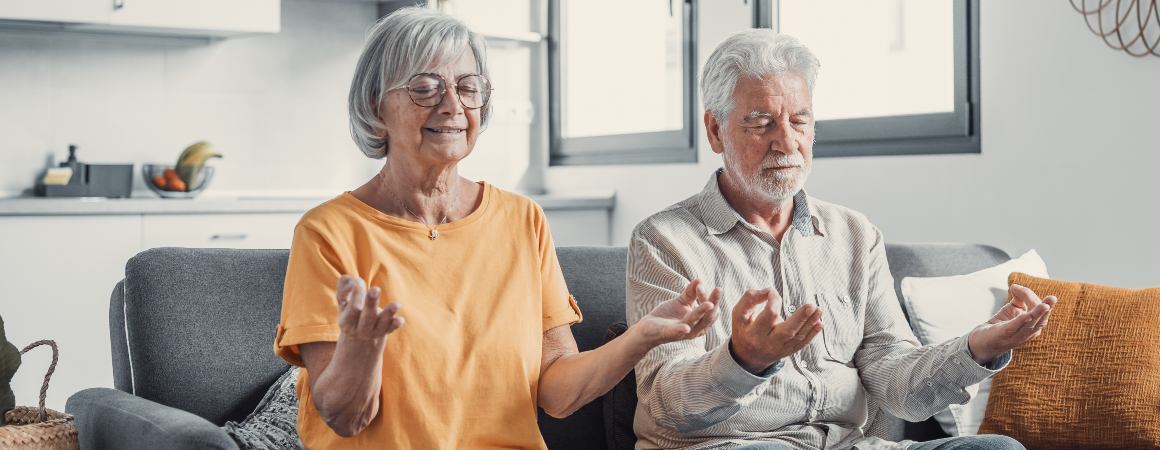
{"x":1019,"y":321}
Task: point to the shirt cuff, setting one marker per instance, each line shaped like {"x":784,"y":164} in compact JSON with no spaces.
{"x":726,"y":372}
{"x":970,"y":372}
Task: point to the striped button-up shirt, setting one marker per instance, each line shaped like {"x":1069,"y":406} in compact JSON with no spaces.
{"x":693,"y":393}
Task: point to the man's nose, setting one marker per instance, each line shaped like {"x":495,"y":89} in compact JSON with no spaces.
{"x":784,"y":140}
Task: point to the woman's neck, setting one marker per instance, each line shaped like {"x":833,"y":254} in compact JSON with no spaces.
{"x":431,"y":195}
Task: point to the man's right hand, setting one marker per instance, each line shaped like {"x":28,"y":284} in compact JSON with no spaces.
{"x":360,"y":320}
{"x":761,"y":338}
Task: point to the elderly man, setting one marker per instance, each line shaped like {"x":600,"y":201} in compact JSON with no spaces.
{"x":811,"y":341}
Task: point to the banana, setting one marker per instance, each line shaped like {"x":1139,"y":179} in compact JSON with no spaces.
{"x":190,"y":163}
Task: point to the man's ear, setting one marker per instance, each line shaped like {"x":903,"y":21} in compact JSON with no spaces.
{"x":713,"y":132}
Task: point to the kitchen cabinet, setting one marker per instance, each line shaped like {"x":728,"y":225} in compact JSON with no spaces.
{"x":219,"y":230}
{"x":66,"y":11}
{"x":56,"y":274}
{"x":177,"y":17}
{"x":213,"y":16}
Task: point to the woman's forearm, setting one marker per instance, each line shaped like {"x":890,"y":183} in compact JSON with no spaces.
{"x":575,"y":379}
{"x":346,"y":395}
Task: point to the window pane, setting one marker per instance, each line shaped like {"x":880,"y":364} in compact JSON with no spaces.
{"x":502,"y":17}
{"x":879,"y":57}
{"x":621,"y":67}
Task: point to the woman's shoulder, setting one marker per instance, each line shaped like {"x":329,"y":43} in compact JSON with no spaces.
{"x":514,"y":204}
{"x":331,"y":216}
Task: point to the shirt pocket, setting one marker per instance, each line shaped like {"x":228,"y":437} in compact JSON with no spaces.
{"x":841,"y":326}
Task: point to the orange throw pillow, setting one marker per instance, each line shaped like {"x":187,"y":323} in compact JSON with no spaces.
{"x":1091,"y":379}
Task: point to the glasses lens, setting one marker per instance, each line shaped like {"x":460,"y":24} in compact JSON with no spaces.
{"x":426,"y":90}
{"x":474,"y":90}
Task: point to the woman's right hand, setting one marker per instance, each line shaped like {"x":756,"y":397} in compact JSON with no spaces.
{"x":360,"y":320}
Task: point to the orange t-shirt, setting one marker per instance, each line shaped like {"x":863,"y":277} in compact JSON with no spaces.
{"x":464,"y":370}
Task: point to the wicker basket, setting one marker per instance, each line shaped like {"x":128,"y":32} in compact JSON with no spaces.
{"x":40,"y":428}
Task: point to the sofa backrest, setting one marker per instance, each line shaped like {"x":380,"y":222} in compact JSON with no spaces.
{"x":198,"y":328}
{"x":194,"y":328}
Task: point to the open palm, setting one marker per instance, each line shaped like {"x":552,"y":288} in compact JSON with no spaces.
{"x":1019,"y":321}
{"x":683,"y":317}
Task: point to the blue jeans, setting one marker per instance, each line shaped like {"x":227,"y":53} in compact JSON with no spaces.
{"x":983,"y":442}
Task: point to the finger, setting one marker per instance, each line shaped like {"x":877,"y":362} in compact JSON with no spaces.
{"x":705,"y":323}
{"x":774,"y":305}
{"x":1051,"y":300}
{"x":1024,"y":296}
{"x":1016,"y":324}
{"x":748,"y":303}
{"x":698,"y":318}
{"x":809,"y":334}
{"x":715,"y":297}
{"x":370,"y":311}
{"x":802,"y":320}
{"x":388,"y":320}
{"x":356,"y":297}
{"x":342,"y":290}
{"x":765,"y":318}
{"x":689,"y":295}
{"x":347,"y":313}
{"x":1037,"y":316}
{"x":711,"y":303}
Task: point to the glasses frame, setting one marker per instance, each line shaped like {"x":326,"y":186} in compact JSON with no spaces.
{"x":487,"y":90}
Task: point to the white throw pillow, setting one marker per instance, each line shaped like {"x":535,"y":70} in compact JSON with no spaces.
{"x":944,"y":308}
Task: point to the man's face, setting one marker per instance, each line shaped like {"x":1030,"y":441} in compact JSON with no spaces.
{"x":768,"y":138}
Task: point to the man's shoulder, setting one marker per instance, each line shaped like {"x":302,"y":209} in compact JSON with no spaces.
{"x":835,"y":215}
{"x":676,"y":220}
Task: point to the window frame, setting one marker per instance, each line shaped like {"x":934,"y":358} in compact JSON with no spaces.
{"x":912,"y":134}
{"x":674,"y":146}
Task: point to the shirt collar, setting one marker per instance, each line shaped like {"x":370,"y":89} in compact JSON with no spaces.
{"x":719,"y":217}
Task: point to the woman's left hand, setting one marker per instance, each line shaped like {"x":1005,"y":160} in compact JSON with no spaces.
{"x":684,"y":317}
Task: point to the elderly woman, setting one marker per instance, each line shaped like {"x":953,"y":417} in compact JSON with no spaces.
{"x":428,"y":310}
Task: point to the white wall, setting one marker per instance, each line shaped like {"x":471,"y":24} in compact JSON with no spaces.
{"x":1071,"y":144}
{"x":275,"y":105}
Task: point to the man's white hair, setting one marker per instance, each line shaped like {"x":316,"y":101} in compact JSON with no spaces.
{"x":406,"y":42}
{"x":754,"y":53}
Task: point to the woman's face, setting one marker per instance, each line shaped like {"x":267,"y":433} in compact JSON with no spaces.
{"x":444,"y":132}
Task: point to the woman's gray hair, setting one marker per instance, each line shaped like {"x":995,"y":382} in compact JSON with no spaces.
{"x":408,"y":41}
{"x":754,"y":53}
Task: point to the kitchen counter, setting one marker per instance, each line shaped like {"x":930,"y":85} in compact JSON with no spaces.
{"x":149,"y":204}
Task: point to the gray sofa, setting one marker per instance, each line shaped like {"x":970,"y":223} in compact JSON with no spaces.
{"x":192,"y":344}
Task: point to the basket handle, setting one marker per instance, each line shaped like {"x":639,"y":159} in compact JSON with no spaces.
{"x":43,"y":415}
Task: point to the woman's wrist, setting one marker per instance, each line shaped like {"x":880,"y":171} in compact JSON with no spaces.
{"x":637,"y":344}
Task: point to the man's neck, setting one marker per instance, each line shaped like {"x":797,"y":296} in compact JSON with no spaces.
{"x":773,"y":217}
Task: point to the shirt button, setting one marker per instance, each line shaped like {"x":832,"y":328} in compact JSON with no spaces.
{"x":791,"y":308}
{"x":928,"y":383}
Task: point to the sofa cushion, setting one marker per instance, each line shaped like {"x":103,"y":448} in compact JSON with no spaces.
{"x":1091,"y":379}
{"x":944,"y":308}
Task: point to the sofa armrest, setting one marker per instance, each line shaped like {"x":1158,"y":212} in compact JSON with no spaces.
{"x":108,"y":418}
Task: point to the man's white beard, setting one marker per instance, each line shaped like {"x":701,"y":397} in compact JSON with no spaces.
{"x":778,"y":186}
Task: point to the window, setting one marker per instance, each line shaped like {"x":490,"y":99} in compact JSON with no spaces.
{"x":621,"y":80}
{"x":898,"y":76}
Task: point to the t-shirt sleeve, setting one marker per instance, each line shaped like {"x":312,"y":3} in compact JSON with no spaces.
{"x":560,"y":307}
{"x":309,"y":308}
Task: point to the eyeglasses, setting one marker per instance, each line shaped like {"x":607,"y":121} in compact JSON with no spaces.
{"x":427,"y":90}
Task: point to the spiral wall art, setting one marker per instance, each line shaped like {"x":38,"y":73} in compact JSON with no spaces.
{"x":1129,"y":25}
